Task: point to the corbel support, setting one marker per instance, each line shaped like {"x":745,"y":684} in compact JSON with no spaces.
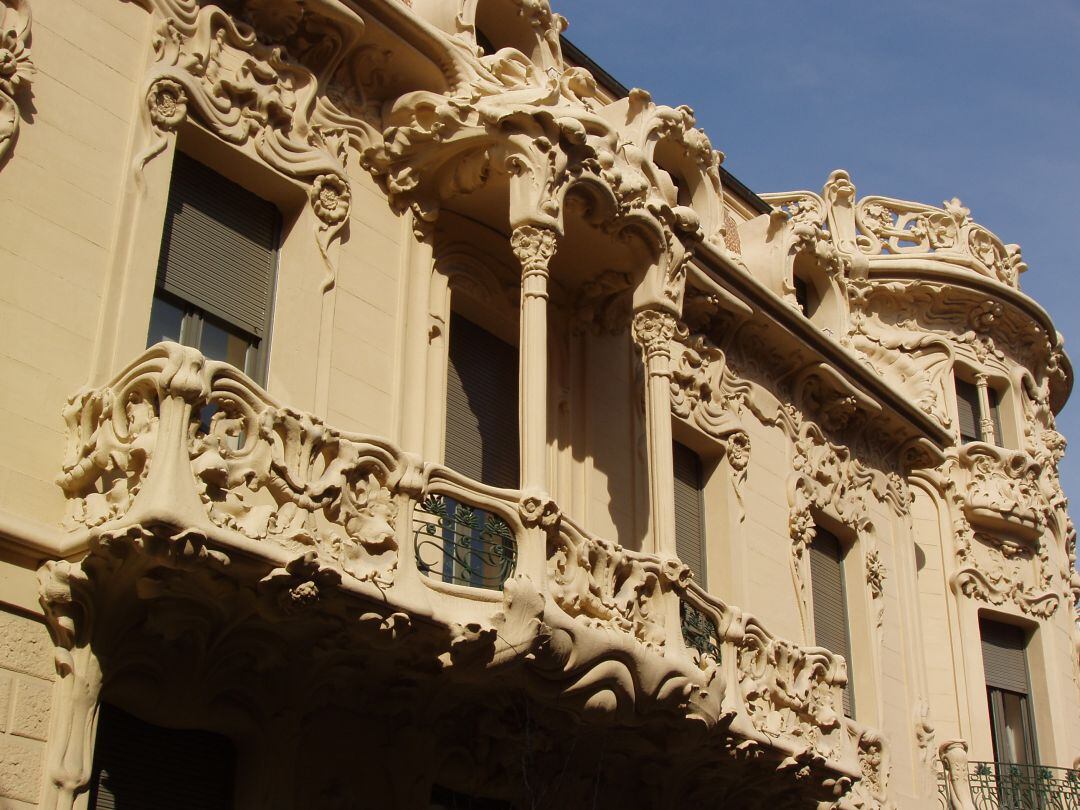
{"x":653,"y":330}
{"x":69,"y":756}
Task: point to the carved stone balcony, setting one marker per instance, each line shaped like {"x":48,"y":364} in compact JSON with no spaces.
{"x":200,"y":496}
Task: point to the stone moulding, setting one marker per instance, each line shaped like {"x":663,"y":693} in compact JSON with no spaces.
{"x":183,"y":465}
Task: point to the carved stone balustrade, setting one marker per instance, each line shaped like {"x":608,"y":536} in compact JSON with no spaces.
{"x":197,"y":494}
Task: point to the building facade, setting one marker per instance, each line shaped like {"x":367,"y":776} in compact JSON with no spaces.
{"x":398,"y":412}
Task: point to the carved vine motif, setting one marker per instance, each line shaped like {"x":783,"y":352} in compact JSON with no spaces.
{"x":896,"y":226}
{"x":111,"y":434}
{"x":16,"y":67}
{"x":300,"y":484}
{"x":791,"y":691}
{"x":912,"y":360}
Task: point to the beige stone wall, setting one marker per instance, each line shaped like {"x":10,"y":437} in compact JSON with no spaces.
{"x":26,"y":691}
{"x":60,"y":194}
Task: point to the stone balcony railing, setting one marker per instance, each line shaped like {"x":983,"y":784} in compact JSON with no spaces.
{"x":188,"y":454}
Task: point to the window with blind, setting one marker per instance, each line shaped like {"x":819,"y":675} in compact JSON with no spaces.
{"x":1004,"y":651}
{"x":830,"y":605}
{"x":216,"y":268}
{"x":968,"y":411}
{"x":481,"y":405}
{"x":689,"y":511}
{"x":137,"y":764}
{"x":462,"y":544}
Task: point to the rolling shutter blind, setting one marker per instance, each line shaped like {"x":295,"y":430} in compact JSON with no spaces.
{"x":995,"y":416}
{"x":482,"y":405}
{"x":1004,"y":661}
{"x":219,"y":247}
{"x":967,"y":406}
{"x":689,"y":523}
{"x":139,"y":765}
{"x":830,"y":605}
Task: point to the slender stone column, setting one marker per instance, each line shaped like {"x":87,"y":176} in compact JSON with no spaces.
{"x":412,"y":393}
{"x":534,"y":248}
{"x":652,"y":332}
{"x":986,"y":424}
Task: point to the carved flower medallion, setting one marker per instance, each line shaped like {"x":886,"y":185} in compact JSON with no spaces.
{"x":15,"y":64}
{"x":167,"y":101}
{"x":330,"y":197}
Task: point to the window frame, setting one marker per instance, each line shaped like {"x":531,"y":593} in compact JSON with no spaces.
{"x":843,"y":599}
{"x":256,"y":356}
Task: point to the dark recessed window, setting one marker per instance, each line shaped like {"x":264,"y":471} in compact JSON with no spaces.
{"x":216,"y":268}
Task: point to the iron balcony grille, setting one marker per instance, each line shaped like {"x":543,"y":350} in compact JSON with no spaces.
{"x":462,"y":544}
{"x":1009,"y":786}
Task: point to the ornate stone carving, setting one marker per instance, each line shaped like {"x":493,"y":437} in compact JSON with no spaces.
{"x":269,"y":473}
{"x":250,"y":92}
{"x":828,"y":480}
{"x":16,"y":68}
{"x":653,"y":331}
{"x":954,"y":759}
{"x":791,"y":691}
{"x":533,"y":248}
{"x":998,"y":570}
{"x":606,"y":585}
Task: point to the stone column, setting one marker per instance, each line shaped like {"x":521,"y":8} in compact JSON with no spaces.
{"x":986,"y":424}
{"x":412,"y":395}
{"x":653,"y":331}
{"x":533,"y":248}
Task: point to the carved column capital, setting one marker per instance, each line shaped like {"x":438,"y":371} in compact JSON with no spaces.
{"x":653,"y":330}
{"x":533,"y":248}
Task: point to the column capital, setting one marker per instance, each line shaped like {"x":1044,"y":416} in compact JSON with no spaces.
{"x":653,"y":330}
{"x":533,"y":246}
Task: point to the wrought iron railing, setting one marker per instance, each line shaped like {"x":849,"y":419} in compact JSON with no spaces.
{"x":699,"y":632}
{"x":1008,"y":786}
{"x":463,"y":545}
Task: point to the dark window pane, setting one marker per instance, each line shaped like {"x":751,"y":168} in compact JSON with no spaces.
{"x":139,"y":765}
{"x":166,"y":318}
{"x":223,"y":343}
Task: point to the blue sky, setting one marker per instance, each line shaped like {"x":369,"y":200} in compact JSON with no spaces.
{"x":976,"y":99}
